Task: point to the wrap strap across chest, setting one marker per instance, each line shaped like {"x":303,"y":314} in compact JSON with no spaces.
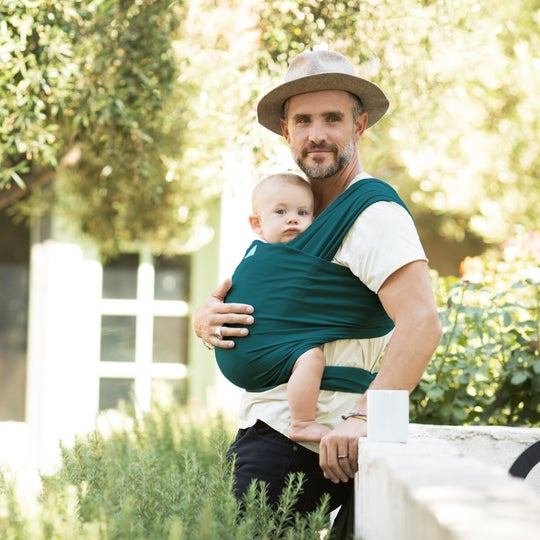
{"x":302,"y":300}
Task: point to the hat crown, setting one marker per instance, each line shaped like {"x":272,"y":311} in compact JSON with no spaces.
{"x":308,"y":64}
{"x":319,"y":71}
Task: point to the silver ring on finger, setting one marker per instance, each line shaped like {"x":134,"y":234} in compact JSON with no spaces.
{"x":218,"y":333}
{"x":344,"y":456}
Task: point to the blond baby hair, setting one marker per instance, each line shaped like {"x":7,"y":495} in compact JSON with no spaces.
{"x":285,"y":178}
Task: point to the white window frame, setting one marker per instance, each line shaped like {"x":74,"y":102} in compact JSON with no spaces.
{"x":144,"y":308}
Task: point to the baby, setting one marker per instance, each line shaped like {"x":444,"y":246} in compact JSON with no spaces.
{"x":282,"y":209}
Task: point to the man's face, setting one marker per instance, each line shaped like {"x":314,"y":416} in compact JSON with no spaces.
{"x":321,"y":132}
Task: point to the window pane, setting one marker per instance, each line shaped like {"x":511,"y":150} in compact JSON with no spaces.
{"x":167,"y":390}
{"x":13,"y":328}
{"x":117,"y":338}
{"x":172,"y":278}
{"x":170,"y":339}
{"x":113,"y":391}
{"x":14,"y":272}
{"x":120,"y":277}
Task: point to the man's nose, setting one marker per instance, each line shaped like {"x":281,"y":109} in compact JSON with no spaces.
{"x":317,"y":133}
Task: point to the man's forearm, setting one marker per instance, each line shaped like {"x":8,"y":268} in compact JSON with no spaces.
{"x":407,"y":356}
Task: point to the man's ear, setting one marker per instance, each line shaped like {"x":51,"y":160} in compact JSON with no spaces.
{"x":284,"y":129}
{"x":361,"y":123}
{"x":255,"y":223}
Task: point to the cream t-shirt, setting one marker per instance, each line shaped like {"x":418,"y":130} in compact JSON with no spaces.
{"x":382,"y":240}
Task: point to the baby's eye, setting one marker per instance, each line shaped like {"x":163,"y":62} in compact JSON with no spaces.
{"x":303,"y":213}
{"x":280,"y":211}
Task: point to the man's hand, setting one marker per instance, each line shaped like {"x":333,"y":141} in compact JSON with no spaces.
{"x":339,"y":450}
{"x":209,"y":320}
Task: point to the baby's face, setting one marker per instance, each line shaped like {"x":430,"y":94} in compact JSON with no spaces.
{"x":285,"y":211}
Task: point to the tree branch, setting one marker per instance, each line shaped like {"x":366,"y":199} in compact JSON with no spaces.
{"x":11,"y":194}
{"x":35,"y":179}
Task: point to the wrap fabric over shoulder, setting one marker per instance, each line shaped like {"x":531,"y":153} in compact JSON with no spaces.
{"x":302,"y":300}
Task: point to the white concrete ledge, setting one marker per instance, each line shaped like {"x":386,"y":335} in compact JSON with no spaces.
{"x":446,"y":483}
{"x":494,"y":445}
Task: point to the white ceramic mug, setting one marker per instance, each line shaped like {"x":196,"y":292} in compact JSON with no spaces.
{"x":387,"y":415}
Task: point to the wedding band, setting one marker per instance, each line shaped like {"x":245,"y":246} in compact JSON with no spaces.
{"x":218,"y":333}
{"x":344,"y":456}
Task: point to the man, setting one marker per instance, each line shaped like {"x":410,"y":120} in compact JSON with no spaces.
{"x":323,"y":109}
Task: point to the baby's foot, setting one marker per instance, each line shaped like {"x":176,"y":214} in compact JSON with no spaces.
{"x":307,"y":431}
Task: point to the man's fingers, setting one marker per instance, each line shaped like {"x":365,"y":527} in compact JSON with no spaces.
{"x":230,"y":308}
{"x":234,"y":331}
{"x":240,"y":313}
{"x":216,"y":321}
{"x":221,"y":337}
{"x":339,"y":453}
{"x":334,"y":462}
{"x":222,"y":289}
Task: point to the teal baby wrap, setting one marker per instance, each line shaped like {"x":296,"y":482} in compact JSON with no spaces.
{"x":302,"y":300}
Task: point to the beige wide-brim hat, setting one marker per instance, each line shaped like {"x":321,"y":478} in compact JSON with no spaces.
{"x":316,"y":71}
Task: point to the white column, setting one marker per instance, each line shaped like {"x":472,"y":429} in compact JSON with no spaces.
{"x":63,"y":348}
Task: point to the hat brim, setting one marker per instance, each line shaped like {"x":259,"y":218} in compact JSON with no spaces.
{"x":270,"y":107}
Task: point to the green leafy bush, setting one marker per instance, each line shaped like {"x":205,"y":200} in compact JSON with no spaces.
{"x":487,"y":367}
{"x":161,"y":476}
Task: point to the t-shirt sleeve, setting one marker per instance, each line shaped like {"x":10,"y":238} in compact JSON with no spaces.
{"x":381,"y":240}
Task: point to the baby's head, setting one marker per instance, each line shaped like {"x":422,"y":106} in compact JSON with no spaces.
{"x":282,"y":207}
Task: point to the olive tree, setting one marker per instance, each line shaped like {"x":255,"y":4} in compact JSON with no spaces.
{"x":93,"y":96}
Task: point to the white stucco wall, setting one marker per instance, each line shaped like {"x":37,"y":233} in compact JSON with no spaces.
{"x":447,"y":483}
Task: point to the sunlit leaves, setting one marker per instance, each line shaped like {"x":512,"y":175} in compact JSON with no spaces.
{"x":462,"y":134}
{"x":487,"y":367}
{"x":162,"y":97}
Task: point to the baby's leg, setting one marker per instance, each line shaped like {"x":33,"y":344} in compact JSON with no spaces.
{"x":302,"y":392}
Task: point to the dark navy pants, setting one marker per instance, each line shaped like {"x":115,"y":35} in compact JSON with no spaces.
{"x":263,"y":453}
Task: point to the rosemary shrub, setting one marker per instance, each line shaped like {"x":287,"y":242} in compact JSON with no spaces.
{"x":163,"y":477}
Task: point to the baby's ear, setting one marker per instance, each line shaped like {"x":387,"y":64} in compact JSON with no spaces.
{"x":255,"y":223}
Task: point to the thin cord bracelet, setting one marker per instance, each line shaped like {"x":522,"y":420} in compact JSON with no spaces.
{"x":355,"y":414}
{"x":207,"y":345}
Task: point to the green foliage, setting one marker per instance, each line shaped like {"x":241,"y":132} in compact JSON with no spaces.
{"x":94,"y":94}
{"x":146,"y":109}
{"x":461,"y":136}
{"x":37,"y":76}
{"x":12,"y":522}
{"x":487,"y":367}
{"x":164,"y":475}
{"x":126,"y":184}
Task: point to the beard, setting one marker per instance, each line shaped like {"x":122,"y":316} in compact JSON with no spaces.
{"x":319,"y":171}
